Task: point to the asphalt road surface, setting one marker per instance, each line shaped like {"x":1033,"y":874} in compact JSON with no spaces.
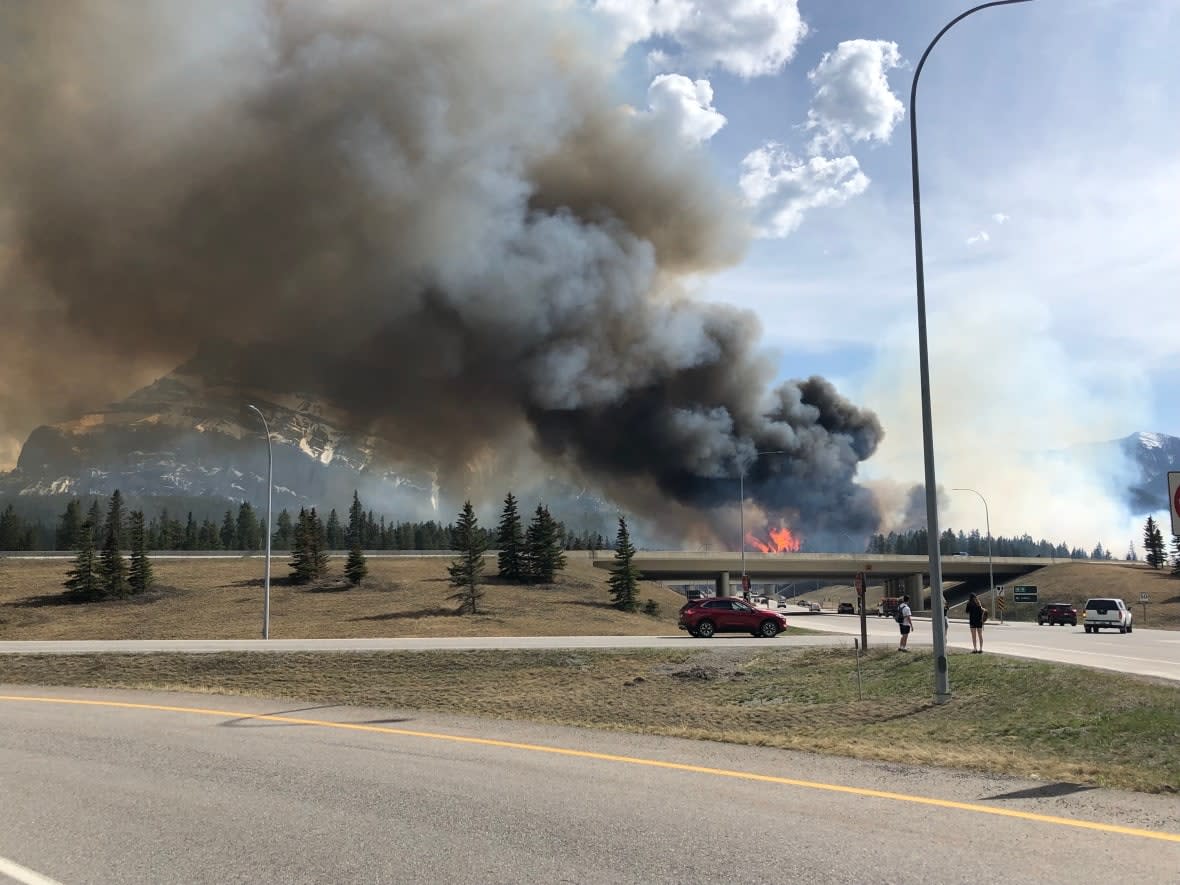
{"x":183,"y":788}
{"x":1143,"y":652}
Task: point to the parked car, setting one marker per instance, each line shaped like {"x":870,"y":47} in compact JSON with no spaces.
{"x":845,"y":608}
{"x":888,"y":606}
{"x":1110,"y":613}
{"x":729,"y":615}
{"x":1057,"y":613}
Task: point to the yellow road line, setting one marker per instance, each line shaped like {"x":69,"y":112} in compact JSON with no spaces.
{"x":629,"y":760}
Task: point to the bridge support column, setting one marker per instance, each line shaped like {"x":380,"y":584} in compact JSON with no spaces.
{"x":722,"y":584}
{"x":913,"y":589}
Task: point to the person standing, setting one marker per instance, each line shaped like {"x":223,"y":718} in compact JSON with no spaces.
{"x":905,"y":621}
{"x":975,"y":618}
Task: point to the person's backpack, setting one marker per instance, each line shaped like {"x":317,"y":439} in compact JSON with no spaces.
{"x":898,"y":616}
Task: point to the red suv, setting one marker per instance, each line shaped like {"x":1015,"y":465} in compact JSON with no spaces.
{"x":728,"y":615}
{"x":1057,"y":613}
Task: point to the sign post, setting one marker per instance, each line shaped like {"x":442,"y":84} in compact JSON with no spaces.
{"x":1144,"y":598}
{"x":1174,"y":499}
{"x":860,"y":604}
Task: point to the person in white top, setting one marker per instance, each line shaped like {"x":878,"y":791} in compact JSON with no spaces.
{"x":905,"y":621}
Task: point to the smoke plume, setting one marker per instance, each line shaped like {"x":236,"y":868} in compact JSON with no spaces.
{"x":446,"y":198}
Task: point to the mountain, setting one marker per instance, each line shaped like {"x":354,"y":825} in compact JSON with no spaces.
{"x":189,"y":434}
{"x":1137,"y":466}
{"x":1154,"y":454}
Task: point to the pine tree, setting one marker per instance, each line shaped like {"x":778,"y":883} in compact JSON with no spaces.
{"x":69,"y":527}
{"x":1176,"y":555}
{"x":467,"y":570}
{"x":624,"y":577}
{"x":302,"y":567}
{"x":94,"y":517}
{"x":355,"y":567}
{"x":112,"y":568}
{"x":82,"y":580}
{"x":318,"y":538}
{"x":285,"y":531}
{"x":332,"y":530}
{"x":139,"y":576}
{"x":229,"y":531}
{"x":190,"y":533}
{"x":208,"y":537}
{"x":246,"y":530}
{"x":510,"y":541}
{"x":543,"y":546}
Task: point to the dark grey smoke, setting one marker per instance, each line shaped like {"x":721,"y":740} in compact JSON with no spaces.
{"x":445,"y":199}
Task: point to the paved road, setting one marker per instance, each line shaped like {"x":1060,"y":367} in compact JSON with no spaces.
{"x":1144,"y":652}
{"x":109,"y":794}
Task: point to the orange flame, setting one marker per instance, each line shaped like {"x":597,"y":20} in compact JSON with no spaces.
{"x":781,"y":541}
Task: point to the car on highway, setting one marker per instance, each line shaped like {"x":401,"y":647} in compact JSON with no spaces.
{"x":845,"y":608}
{"x":1057,"y":613}
{"x":1106,"y":612}
{"x":728,"y":615}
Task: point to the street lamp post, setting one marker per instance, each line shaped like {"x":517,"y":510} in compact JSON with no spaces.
{"x":742,"y":505}
{"x":942,"y":687}
{"x":990,"y":574}
{"x":270,"y":480}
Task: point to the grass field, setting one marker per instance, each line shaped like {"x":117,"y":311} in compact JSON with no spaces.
{"x":404,"y":596}
{"x":1013,"y":716}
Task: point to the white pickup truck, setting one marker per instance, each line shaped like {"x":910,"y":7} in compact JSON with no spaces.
{"x":1110,"y":613}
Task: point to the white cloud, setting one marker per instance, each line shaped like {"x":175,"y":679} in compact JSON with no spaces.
{"x":781,"y":188}
{"x":685,"y":106}
{"x":1000,"y":218}
{"x":853,"y":101}
{"x":750,"y":38}
{"x":980,"y":237}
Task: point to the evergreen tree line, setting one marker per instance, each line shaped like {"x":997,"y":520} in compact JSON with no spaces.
{"x":974,"y":543}
{"x":244,"y":529}
{"x":1156,"y":549}
{"x":309,"y":545}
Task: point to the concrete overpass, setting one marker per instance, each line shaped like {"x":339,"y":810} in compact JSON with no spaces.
{"x":887,"y":574}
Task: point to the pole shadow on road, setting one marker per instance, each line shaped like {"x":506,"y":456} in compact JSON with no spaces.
{"x":1047,"y":791}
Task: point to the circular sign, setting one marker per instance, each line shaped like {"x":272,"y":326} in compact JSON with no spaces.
{"x":1176,"y":501}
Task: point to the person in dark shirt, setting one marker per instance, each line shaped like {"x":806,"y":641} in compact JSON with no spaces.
{"x":975,"y":618}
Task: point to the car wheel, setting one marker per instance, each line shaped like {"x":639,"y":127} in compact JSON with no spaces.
{"x":1040,"y":623}
{"x":769,"y":629}
{"x":693,"y":632}
{"x":705,"y":629}
{"x":1122,"y":629}
{"x":1130,"y":628}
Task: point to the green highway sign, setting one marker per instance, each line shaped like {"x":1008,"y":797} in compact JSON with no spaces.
{"x":1024,"y":594}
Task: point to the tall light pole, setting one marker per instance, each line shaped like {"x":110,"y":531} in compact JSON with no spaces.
{"x":270,"y":482}
{"x":742,"y":506}
{"x":990,"y":574}
{"x":942,"y":686}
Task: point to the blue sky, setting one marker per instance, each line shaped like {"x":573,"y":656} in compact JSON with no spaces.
{"x":1048,"y":135}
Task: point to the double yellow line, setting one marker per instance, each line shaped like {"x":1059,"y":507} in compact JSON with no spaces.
{"x":1158,"y":835}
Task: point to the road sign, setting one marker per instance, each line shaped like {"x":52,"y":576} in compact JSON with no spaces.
{"x":1000,"y":603}
{"x":745,"y":582}
{"x":1026,"y":593}
{"x":1001,"y":591}
{"x":1144,"y":597}
{"x":1174,"y":498}
{"x":860,"y":582}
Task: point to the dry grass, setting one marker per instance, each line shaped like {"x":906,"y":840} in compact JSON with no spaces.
{"x":404,"y":596}
{"x":1020,"y":717}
